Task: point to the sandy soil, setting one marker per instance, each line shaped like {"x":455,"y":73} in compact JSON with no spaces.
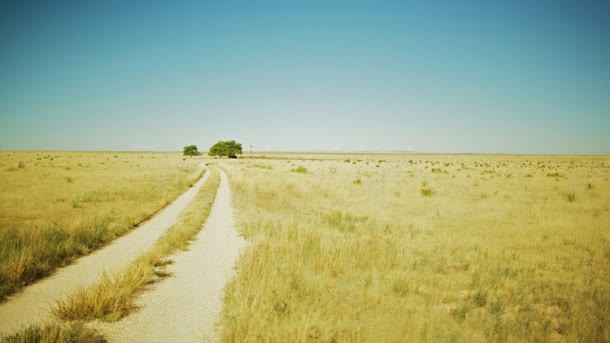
{"x":33,"y":304}
{"x":186,"y":306}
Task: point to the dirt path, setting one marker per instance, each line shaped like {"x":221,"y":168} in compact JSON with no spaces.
{"x":186,"y":306}
{"x":32,"y":305}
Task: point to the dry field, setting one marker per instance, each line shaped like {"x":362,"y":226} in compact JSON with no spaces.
{"x":55,"y":206}
{"x":389,"y":248}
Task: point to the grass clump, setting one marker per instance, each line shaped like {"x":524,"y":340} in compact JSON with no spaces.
{"x":112,"y":298}
{"x":555,"y":174}
{"x":357,"y":181}
{"x":571,"y":196}
{"x":427,"y":191}
{"x":55,"y":333}
{"x":299,"y":169}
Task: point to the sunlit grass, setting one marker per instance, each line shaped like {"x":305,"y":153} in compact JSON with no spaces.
{"x":112,"y":298}
{"x":60,"y":205}
{"x":56,"y":333}
{"x":496,"y":251}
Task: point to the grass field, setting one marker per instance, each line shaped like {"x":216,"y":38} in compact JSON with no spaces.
{"x":395,"y":248}
{"x":56,"y":206}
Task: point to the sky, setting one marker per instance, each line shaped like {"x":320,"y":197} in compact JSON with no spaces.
{"x":528,"y":77}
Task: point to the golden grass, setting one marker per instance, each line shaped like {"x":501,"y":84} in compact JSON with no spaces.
{"x":60,"y":205}
{"x":56,"y":333}
{"x":399,"y":248}
{"x":112,"y":298}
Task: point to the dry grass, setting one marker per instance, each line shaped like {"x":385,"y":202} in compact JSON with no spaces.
{"x":60,"y":205}
{"x":112,"y":298}
{"x":55,"y":333}
{"x":501,"y":249}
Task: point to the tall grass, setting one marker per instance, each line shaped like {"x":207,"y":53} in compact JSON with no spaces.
{"x":327,"y":261}
{"x":45,"y":222}
{"x":112,"y":298}
{"x":55,"y":333}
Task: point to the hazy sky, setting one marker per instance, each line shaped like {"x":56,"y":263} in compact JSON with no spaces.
{"x":454,"y":76}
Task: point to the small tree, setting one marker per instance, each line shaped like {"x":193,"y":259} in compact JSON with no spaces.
{"x":191,"y":150}
{"x":226,"y":148}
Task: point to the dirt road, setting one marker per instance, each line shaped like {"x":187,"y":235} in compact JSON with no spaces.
{"x":186,"y":306}
{"x":33,"y":304}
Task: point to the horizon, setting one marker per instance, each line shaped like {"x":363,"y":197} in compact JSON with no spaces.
{"x":322,"y":152}
{"x":445,"y":78}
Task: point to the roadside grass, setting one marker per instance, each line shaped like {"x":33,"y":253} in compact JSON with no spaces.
{"x":112,"y":298}
{"x":61,"y":205}
{"x":327,"y":261}
{"x":56,"y":333}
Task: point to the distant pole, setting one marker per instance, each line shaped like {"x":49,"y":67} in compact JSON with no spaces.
{"x":250,"y":149}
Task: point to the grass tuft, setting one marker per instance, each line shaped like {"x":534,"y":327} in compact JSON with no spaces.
{"x":299,"y":169}
{"x":56,"y":333}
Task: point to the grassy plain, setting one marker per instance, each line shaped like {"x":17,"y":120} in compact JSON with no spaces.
{"x":411,"y":247}
{"x":56,"y":206}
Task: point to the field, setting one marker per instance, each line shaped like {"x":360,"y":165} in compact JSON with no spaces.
{"x":411,"y":247}
{"x":340,"y":247}
{"x":56,"y":206}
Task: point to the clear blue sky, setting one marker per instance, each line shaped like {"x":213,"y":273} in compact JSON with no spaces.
{"x":454,"y":76}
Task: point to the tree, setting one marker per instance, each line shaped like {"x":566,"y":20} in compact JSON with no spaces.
{"x":191,"y":150}
{"x":226,"y":148}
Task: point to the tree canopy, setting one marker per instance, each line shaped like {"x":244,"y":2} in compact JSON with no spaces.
{"x":191,"y":150}
{"x":226,"y":148}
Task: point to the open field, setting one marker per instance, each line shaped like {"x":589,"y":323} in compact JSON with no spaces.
{"x":56,"y":206}
{"x":388,"y":248}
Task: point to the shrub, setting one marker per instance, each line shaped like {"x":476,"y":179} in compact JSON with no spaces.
{"x":357,"y":182}
{"x":571,"y":196}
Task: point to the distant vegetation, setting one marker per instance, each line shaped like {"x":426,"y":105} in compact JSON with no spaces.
{"x":228,"y":149}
